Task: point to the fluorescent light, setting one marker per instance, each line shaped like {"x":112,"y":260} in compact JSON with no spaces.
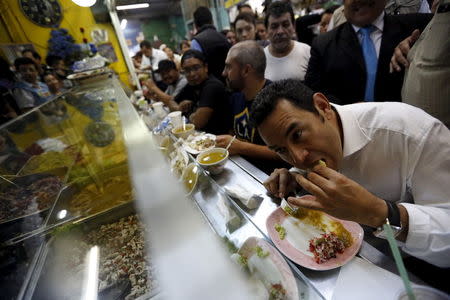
{"x":132,"y":6}
{"x":123,"y":24}
{"x":84,"y":3}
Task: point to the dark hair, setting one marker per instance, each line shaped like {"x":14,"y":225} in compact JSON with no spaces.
{"x":250,"y":52}
{"x":225,"y":32}
{"x":240,"y":6}
{"x":293,"y":90}
{"x":247,"y":17}
{"x":34,"y":53}
{"x":145,"y":44}
{"x":49,"y":73}
{"x":202,"y":16}
{"x":166,"y":65}
{"x":193,"y":54}
{"x":5,"y":71}
{"x":276,"y":9}
{"x":52,"y":60}
{"x":23,"y":61}
{"x":184,"y":42}
{"x":331,"y":9}
{"x":138,"y":54}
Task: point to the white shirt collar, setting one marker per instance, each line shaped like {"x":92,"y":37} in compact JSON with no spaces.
{"x":355,"y":137}
{"x":378,"y":23}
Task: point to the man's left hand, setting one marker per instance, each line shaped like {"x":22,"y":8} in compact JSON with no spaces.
{"x":222,"y":141}
{"x":340,"y":197}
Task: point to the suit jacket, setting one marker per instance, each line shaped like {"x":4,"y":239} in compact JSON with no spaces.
{"x":336,"y":67}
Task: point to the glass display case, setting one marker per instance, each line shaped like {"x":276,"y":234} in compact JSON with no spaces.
{"x":81,"y":176}
{"x":63,"y":163}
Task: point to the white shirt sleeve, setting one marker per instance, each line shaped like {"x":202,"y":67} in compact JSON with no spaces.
{"x":429,"y":217}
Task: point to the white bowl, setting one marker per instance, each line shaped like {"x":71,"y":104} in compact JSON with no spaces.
{"x":180,"y":133}
{"x":190,"y":183}
{"x":217,"y":166}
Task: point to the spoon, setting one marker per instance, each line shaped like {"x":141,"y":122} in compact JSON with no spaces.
{"x":229,"y":144}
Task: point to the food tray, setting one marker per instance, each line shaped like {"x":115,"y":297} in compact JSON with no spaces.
{"x":42,"y":284}
{"x":61,"y":210}
{"x":30,"y":221}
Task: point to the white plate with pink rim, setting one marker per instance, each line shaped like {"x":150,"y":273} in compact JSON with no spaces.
{"x":298,"y":233}
{"x":270,"y":266}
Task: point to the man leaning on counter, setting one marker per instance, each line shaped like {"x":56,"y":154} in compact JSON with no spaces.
{"x":383,"y":161}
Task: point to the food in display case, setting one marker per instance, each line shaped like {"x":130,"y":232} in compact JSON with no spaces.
{"x":29,"y":195}
{"x":94,"y":198}
{"x":99,"y":134}
{"x":179,"y":161}
{"x":123,"y":262}
{"x":47,"y":161}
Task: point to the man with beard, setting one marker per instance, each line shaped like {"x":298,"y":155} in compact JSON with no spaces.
{"x":286,"y":58}
{"x":244,"y":72}
{"x":351,"y":62}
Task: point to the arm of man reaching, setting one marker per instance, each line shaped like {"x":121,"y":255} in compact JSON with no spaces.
{"x":239,"y":147}
{"x":161,"y":96}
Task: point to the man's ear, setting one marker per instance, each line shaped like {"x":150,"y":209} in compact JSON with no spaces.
{"x":322,"y":105}
{"x":247,"y":69}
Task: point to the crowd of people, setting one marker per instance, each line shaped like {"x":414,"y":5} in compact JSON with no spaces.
{"x":30,"y":82}
{"x":338,"y":97}
{"x":293,"y":96}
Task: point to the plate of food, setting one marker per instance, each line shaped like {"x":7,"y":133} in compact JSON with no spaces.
{"x":269,"y":271}
{"x":195,"y":144}
{"x":314,"y":239}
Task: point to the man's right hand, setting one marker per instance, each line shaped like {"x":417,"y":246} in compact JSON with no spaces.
{"x":186,"y":106}
{"x":280,"y":183}
{"x":400,"y":56}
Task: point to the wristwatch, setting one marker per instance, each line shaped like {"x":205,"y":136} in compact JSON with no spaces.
{"x":392,"y":220}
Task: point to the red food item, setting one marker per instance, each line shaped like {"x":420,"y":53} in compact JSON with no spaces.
{"x":325,"y":247}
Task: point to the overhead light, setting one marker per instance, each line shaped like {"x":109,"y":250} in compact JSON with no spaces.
{"x":123,"y":24}
{"x":84,"y":3}
{"x":132,"y":6}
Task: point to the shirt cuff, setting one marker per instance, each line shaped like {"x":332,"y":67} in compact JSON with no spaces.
{"x":418,"y":228}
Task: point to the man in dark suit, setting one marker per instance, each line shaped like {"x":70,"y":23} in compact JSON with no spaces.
{"x":351,"y":62}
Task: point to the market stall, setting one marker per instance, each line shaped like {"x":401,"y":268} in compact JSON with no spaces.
{"x":101,"y":192}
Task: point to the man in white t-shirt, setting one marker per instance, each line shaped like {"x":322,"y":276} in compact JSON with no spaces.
{"x":286,"y":58}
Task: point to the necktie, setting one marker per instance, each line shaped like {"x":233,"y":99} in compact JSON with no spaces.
{"x":370,"y":60}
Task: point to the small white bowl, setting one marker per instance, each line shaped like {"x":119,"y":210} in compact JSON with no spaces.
{"x":190,"y":183}
{"x":215,"y":167}
{"x":180,"y":133}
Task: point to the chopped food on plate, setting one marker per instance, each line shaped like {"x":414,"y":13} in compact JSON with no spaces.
{"x":325,"y":247}
{"x":281,"y":231}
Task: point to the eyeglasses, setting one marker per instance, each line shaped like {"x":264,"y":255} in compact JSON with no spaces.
{"x":194,"y":68}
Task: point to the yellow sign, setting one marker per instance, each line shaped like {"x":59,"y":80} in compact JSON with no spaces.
{"x":230,"y":3}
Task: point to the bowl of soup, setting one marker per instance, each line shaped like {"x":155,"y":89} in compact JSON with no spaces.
{"x":190,"y":178}
{"x":183,"y":131}
{"x":213,"y":160}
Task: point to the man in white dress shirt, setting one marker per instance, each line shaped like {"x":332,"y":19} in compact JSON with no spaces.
{"x":285,"y":57}
{"x":151,"y":56}
{"x":383,"y":161}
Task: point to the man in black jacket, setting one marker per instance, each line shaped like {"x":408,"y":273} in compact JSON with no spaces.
{"x":351,"y":62}
{"x":213,"y":44}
